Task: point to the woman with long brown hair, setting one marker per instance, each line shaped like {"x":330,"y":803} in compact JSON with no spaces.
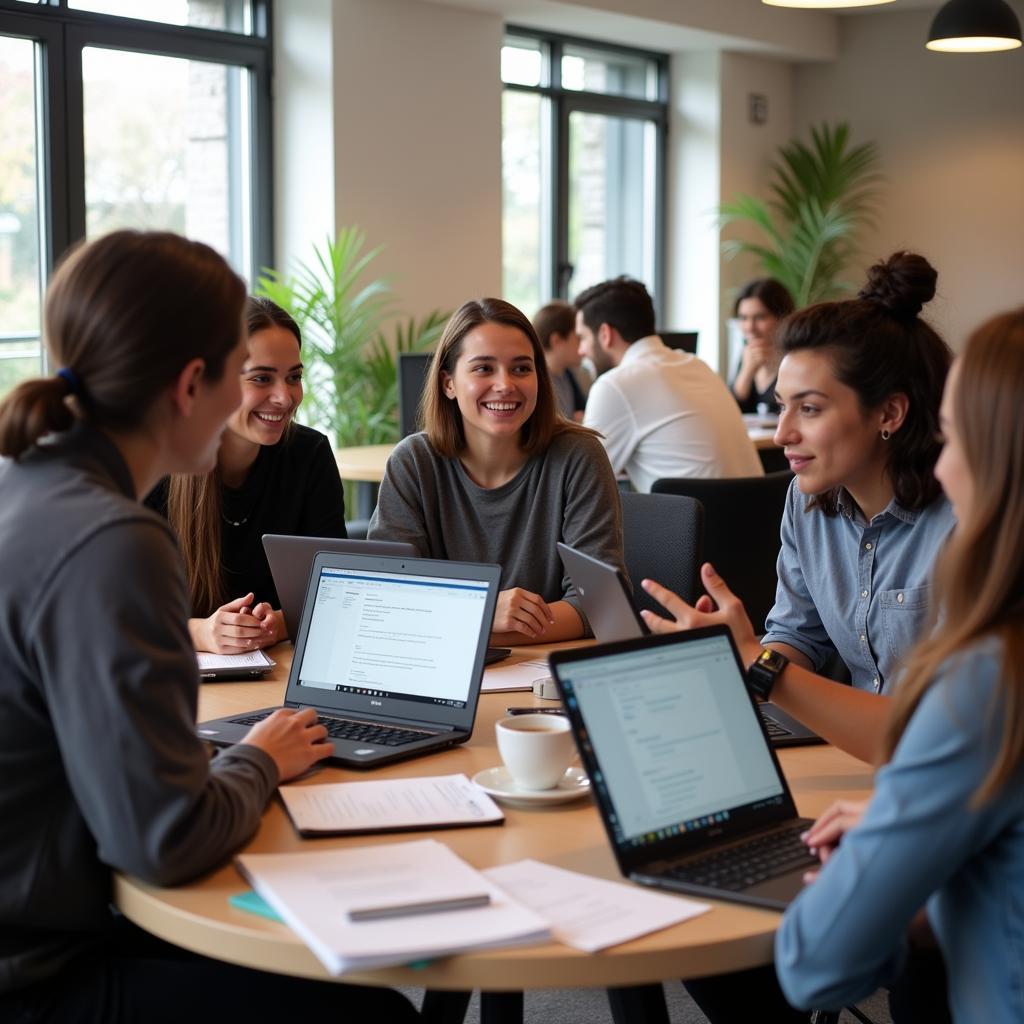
{"x":499,"y":476}
{"x":272,"y":476}
{"x":102,"y":767}
{"x":945,"y":826}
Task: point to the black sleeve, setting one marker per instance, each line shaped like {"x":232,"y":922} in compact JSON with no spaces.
{"x":120,"y":679}
{"x":323,"y":508}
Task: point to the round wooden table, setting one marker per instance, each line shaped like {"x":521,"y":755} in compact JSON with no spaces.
{"x":198,"y":916}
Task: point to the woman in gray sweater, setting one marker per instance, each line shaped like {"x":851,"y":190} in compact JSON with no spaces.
{"x":101,"y":769}
{"x":499,"y":476}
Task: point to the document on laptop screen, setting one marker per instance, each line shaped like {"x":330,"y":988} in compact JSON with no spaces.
{"x":378,"y":632}
{"x":674,"y":734}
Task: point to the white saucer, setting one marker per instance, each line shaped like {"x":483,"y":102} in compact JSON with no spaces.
{"x":497,"y":782}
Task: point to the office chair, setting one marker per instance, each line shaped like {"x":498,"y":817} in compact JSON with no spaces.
{"x":742,"y":518}
{"x":663,"y":538}
{"x":412,"y":371}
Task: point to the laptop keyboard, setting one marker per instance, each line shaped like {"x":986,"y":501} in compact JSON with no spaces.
{"x":742,"y":866}
{"x":358,"y":732}
{"x":775,"y":729}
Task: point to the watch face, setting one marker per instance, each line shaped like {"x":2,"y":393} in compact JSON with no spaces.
{"x":771,"y":660}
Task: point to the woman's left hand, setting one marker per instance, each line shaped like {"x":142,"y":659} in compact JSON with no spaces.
{"x":826,"y":833}
{"x":730,"y":612}
{"x":272,"y":623}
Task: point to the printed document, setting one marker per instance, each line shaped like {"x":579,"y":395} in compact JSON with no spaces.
{"x":315,"y":892}
{"x":590,"y":913}
{"x":389,"y":805}
{"x":519,"y":675}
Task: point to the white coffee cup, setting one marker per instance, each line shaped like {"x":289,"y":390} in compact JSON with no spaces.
{"x":536,"y":749}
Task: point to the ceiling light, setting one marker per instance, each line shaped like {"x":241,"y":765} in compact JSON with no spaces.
{"x":822,"y":5}
{"x":974,"y":26}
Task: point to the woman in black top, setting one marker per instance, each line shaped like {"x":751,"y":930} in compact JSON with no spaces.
{"x":272,"y":476}
{"x":759,"y":308}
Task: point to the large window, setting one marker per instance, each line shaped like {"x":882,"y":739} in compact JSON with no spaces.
{"x":116,"y":113}
{"x":583,"y":143}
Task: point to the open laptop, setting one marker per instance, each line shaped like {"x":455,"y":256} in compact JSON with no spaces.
{"x":688,"y":786}
{"x":608,"y":604}
{"x":291,"y":558}
{"x":390,"y":653}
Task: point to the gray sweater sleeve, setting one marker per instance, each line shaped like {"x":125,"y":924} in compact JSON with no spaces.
{"x":121,"y":683}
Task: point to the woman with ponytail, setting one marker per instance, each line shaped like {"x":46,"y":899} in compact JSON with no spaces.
{"x":945,"y":828}
{"x":272,"y":476}
{"x":100,"y":766}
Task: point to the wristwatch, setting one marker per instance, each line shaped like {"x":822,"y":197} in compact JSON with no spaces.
{"x":764,"y":670}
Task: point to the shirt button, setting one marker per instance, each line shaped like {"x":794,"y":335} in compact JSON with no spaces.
{"x":868,"y":546}
{"x":863,"y":593}
{"x":899,"y":599}
{"x":878,"y":685}
{"x":862,"y":638}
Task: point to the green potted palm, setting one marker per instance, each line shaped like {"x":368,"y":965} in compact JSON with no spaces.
{"x":822,"y":196}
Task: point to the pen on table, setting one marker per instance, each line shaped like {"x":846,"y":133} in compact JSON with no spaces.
{"x":534,"y":711}
{"x":386,"y":911}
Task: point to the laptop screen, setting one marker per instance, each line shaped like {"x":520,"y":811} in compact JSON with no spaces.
{"x":676,"y":743}
{"x":385,"y":634}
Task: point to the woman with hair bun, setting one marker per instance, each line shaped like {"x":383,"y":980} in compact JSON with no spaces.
{"x":859,"y":389}
{"x":102,"y":770}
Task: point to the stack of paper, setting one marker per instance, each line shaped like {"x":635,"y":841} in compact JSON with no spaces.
{"x":315,"y":893}
{"x":389,"y":805}
{"x":518,"y":675}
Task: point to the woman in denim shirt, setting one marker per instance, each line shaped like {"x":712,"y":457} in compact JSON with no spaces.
{"x":859,"y":388}
{"x":945,"y":827}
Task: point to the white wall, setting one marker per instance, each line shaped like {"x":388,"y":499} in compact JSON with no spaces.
{"x":951,"y":132}
{"x":418,"y":144}
{"x":409,"y":106}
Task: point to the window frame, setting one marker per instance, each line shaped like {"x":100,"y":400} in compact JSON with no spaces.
{"x":565,"y":102}
{"x":63,"y":34}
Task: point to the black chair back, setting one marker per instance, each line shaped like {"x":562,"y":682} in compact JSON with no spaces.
{"x":742,"y":518}
{"x":663,"y":535}
{"x":412,"y":371}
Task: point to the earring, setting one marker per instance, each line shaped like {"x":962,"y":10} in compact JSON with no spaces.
{"x":886,"y":435}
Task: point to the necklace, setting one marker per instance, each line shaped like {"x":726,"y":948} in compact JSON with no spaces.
{"x":236,"y":522}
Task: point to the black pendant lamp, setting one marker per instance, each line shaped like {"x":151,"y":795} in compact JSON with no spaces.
{"x":974,"y":26}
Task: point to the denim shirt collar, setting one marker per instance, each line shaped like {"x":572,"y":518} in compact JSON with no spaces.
{"x":849,"y":508}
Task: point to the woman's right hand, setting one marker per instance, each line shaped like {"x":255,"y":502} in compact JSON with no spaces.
{"x":755,"y":355}
{"x":231,"y":629}
{"x":521,"y":611}
{"x":294,"y":740}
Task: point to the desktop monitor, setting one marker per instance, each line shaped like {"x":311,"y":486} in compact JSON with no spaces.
{"x":412,"y":371}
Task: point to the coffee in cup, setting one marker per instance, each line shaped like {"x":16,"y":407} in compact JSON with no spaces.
{"x":536,"y":749}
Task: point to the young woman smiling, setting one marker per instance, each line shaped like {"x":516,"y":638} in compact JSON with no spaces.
{"x":760,"y":307}
{"x":499,"y":476}
{"x":272,"y":476}
{"x":945,"y":826}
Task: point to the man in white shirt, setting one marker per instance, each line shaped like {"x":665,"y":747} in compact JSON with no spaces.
{"x":663,"y":413}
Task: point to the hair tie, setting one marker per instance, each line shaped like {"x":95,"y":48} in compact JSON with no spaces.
{"x":71,"y":379}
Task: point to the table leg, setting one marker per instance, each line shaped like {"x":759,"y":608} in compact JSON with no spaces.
{"x":638,"y":1004}
{"x":501,"y":1008}
{"x":444,"y":1007}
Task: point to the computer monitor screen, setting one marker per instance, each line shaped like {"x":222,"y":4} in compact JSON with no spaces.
{"x":684,"y":341}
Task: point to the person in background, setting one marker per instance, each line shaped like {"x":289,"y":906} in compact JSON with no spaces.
{"x":555,"y":325}
{"x":499,"y":476}
{"x":102,"y":767}
{"x":944,"y":829}
{"x":760,"y":306}
{"x":272,"y":476}
{"x":661,"y":413}
{"x":860,"y":385}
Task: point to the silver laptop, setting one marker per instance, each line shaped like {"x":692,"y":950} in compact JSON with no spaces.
{"x":390,"y":653}
{"x":291,"y":558}
{"x":688,"y":786}
{"x":608,"y":604}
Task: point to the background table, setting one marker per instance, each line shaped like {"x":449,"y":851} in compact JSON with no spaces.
{"x":198,"y":916}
